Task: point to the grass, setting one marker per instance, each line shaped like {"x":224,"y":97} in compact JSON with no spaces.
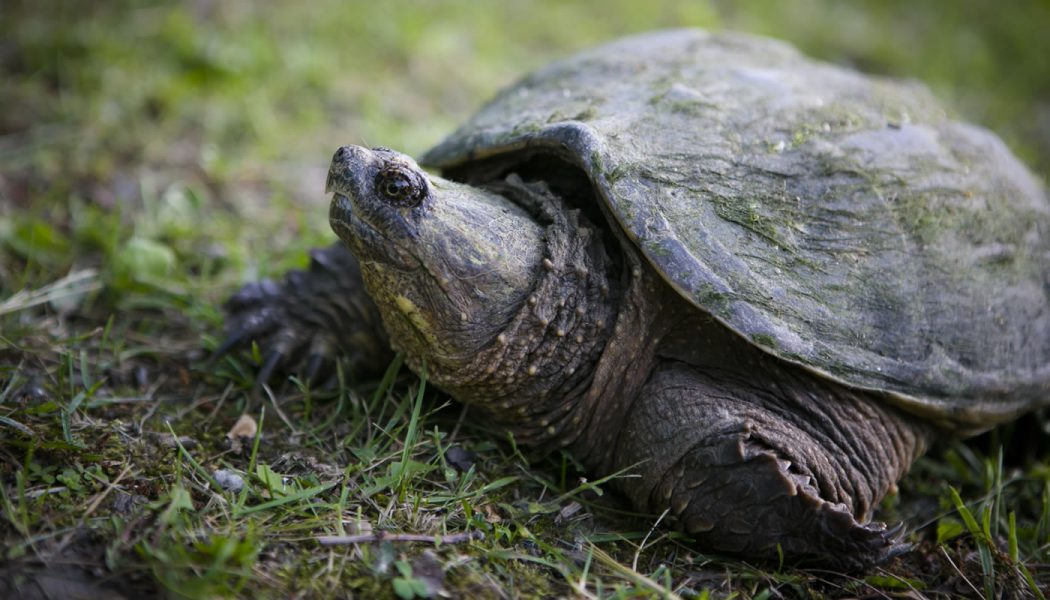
{"x":156,"y":155}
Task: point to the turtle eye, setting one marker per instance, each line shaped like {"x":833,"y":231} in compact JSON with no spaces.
{"x":401,"y":186}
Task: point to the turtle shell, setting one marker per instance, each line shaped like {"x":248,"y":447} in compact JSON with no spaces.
{"x":839,"y":221}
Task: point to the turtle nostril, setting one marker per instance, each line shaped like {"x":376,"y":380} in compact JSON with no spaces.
{"x":341,"y":153}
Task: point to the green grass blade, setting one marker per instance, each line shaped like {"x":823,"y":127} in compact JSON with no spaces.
{"x":293,"y":497}
{"x":410,"y":435}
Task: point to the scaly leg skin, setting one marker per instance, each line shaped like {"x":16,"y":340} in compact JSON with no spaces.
{"x":308,"y":320}
{"x":745,"y":466}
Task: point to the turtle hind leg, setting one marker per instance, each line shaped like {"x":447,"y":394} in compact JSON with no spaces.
{"x":751,"y":502}
{"x":760,"y":465}
{"x":307,"y":321}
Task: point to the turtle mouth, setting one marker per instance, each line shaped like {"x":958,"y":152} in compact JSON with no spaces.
{"x":346,"y":223}
{"x":341,"y":213}
{"x":368,"y":242}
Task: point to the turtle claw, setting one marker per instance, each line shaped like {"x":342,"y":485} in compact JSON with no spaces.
{"x":899,"y":549}
{"x":273,"y":359}
{"x":875,"y":545}
{"x":314,"y":364}
{"x":893,"y":543}
{"x":232,"y":341}
{"x":320,"y":313}
{"x":894,"y":533}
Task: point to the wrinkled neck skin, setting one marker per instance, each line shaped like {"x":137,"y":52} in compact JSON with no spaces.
{"x":541,"y":375}
{"x":528,"y":350}
{"x":503,"y":296}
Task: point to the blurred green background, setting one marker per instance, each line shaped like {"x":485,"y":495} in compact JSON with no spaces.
{"x":241,"y":89}
{"x":239,"y":104}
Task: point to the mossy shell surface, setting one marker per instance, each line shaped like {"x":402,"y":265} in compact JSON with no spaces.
{"x":839,"y":221}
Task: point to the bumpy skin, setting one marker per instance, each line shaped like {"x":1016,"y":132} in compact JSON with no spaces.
{"x":521,"y":294}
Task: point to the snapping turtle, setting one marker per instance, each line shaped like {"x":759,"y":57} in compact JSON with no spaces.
{"x":761,"y":283}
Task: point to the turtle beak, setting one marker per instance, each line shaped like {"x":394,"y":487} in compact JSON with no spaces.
{"x":346,"y":162}
{"x":350,"y":166}
{"x":340,"y":211}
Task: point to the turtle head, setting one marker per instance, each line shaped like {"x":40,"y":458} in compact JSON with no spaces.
{"x":447,"y":264}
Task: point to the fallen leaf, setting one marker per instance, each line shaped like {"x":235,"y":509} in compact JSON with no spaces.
{"x":491,"y":515}
{"x":244,"y":428}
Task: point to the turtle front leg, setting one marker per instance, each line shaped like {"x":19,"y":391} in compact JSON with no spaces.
{"x":309,"y":319}
{"x":775,"y":461}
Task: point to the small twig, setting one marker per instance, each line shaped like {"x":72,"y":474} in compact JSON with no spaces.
{"x":380,"y":536}
{"x":634,"y":563}
{"x":631,"y":574}
{"x":277,"y":409}
{"x":218,"y":405}
{"x":102,"y":495}
{"x":959,"y":571}
{"x":110,"y":486}
{"x":151,"y":395}
{"x":36,"y":493}
{"x":459,"y":423}
{"x":75,"y":283}
{"x":580,"y":587}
